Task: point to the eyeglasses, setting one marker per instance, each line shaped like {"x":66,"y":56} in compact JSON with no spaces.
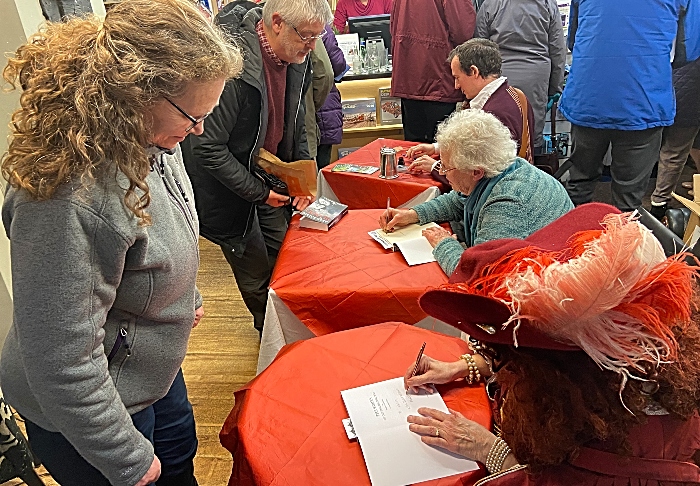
{"x":310,"y":38}
{"x":195,"y":121}
{"x":443,"y":171}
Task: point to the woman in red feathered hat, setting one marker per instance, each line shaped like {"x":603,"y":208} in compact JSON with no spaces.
{"x":587,"y":339}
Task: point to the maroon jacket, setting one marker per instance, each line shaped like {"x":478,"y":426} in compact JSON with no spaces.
{"x":423,"y":32}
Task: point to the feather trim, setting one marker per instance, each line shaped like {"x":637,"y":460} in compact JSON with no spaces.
{"x":612,"y":293}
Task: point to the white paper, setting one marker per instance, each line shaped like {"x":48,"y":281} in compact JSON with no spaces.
{"x":405,"y":233}
{"x":394,"y":455}
{"x":416,"y":251}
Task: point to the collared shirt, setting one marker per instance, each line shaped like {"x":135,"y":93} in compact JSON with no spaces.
{"x":265,"y":44}
{"x":483,"y":96}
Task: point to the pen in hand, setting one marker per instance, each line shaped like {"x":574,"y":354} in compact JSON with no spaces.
{"x":388,"y":214}
{"x":420,"y":355}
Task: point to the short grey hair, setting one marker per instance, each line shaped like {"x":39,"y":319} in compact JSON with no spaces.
{"x":475,"y":139}
{"x":296,"y":12}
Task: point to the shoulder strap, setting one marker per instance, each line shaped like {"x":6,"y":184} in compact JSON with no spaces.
{"x":521,"y":100}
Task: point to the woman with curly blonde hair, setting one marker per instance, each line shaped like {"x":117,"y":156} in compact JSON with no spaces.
{"x":103,"y":235}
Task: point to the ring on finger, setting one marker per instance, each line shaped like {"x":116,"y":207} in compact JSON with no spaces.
{"x":437,"y":432}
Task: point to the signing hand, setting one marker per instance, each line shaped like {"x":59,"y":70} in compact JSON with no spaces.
{"x":395,"y":218}
{"x":420,"y":149}
{"x":436,"y":235}
{"x":198,"y":314}
{"x":422,"y":164}
{"x":152,"y":474}
{"x":302,"y":202}
{"x":431,"y":371}
{"x":277,"y":200}
{"x":456,"y":433}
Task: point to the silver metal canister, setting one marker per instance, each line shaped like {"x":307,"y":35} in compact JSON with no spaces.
{"x":388,"y":168}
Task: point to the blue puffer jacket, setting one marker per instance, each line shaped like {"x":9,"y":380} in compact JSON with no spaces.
{"x":621,"y":72}
{"x":330,"y":116}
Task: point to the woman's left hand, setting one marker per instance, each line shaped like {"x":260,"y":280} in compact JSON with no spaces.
{"x":454,"y":432}
{"x":436,"y":235}
{"x":198,"y":314}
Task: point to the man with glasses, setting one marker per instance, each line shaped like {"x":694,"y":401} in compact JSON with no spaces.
{"x":263,"y":108}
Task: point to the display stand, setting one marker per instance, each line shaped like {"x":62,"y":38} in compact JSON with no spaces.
{"x":365,"y":86}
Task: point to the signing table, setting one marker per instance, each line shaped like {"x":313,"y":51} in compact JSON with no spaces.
{"x":285,"y":427}
{"x":369,"y":191}
{"x":326,"y":282}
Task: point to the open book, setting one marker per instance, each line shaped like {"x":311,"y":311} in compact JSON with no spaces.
{"x":409,"y":239}
{"x":393,"y":454}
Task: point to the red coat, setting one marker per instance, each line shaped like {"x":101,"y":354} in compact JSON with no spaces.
{"x":423,"y":32}
{"x":662,"y":454}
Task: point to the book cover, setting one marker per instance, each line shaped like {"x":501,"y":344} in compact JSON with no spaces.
{"x":389,"y":108}
{"x":342,"y":152}
{"x":322,"y":214}
{"x":359,"y":113}
{"x":358,"y":169}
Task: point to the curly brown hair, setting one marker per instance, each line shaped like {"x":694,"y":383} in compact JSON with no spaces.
{"x":87,"y":84}
{"x":557,"y":401}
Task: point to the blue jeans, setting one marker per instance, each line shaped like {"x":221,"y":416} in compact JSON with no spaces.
{"x":168,"y":424}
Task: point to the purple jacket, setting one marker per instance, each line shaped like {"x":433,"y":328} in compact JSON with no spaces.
{"x":330,"y":116}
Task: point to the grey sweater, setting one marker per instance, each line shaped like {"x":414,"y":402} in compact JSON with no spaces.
{"x":524,"y":201}
{"x":82,"y":269}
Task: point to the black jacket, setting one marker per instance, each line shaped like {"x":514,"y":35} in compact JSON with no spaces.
{"x":686,"y":83}
{"x":219,"y":162}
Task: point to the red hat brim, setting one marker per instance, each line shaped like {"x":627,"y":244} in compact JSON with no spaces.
{"x":482,"y":318}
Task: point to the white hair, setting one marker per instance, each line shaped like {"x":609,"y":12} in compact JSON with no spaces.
{"x":296,"y":12}
{"x":475,"y":139}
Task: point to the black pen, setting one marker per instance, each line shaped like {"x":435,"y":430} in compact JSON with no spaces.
{"x":420,"y":355}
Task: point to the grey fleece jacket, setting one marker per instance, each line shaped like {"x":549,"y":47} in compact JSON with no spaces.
{"x":82,"y":269}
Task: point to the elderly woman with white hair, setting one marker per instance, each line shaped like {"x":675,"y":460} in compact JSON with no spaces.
{"x":495,"y":194}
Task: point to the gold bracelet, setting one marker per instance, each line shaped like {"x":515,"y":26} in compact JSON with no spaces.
{"x":474,"y":374}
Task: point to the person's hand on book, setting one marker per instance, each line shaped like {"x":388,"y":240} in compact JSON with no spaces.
{"x":420,"y":149}
{"x":277,"y":200}
{"x":454,"y":432}
{"x":302,"y":202}
{"x":436,"y":235}
{"x":422,"y":164}
{"x":395,"y":218}
{"x":432,"y":372}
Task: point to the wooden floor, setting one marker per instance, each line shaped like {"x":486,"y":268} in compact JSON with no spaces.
{"x":222,"y":356}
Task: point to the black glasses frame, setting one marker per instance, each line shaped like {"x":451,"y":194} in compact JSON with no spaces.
{"x":195,"y":121}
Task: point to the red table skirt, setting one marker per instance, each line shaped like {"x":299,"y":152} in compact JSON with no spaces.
{"x":368,"y":191}
{"x":285,"y":427}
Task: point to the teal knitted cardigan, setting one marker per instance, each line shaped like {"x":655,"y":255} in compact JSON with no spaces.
{"x":522,"y":202}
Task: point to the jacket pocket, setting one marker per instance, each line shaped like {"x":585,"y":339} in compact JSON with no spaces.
{"x":121,"y":349}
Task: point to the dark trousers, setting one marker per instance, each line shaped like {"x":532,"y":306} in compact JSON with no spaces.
{"x":420,"y":118}
{"x":634,"y":153}
{"x":168,"y":424}
{"x":252,"y":267}
{"x":323,"y":155}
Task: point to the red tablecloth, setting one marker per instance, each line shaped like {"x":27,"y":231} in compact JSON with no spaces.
{"x":285,"y":428}
{"x":368,"y":191}
{"x":342,"y":279}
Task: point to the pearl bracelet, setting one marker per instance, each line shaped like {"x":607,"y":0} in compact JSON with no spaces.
{"x":474,"y":375}
{"x":497,"y":456}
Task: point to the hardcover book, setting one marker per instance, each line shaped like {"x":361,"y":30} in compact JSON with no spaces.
{"x":389,"y":108}
{"x":359,"y":113}
{"x":322,"y":214}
